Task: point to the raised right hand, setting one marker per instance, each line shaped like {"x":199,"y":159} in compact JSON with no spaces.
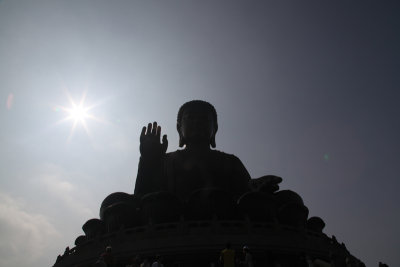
{"x":150,"y":145}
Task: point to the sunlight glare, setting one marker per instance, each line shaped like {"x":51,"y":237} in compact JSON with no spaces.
{"x":78,"y":114}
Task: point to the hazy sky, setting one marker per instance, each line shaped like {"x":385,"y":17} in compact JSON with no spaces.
{"x":306,"y":90}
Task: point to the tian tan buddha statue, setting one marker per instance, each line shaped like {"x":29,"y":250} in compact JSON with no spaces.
{"x":198,"y":183}
{"x":195,"y":166}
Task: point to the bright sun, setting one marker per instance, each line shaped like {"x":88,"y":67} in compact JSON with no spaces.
{"x":78,"y":113}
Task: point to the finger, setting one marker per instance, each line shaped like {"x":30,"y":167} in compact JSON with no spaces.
{"x":154,"y":130}
{"x":148,"y":129}
{"x":142,"y":133}
{"x":158,"y":133}
{"x":164,"y":143}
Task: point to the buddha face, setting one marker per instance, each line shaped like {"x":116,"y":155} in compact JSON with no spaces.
{"x":197,"y":126}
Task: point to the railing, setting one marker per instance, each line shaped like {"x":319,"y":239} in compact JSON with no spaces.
{"x":187,"y":237}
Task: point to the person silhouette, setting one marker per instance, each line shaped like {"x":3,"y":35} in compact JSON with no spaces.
{"x":227,"y":257}
{"x":248,"y":258}
{"x":157,"y":262}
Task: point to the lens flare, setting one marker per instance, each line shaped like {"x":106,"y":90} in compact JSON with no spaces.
{"x":10,"y":101}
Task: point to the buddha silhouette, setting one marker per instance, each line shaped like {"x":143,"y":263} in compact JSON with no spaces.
{"x":195,"y":166}
{"x":193,"y":186}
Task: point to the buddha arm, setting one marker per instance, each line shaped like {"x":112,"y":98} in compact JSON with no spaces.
{"x":241,"y":176}
{"x":150,"y":176}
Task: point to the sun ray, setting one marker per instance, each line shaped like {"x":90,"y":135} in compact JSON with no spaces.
{"x":79,"y":113}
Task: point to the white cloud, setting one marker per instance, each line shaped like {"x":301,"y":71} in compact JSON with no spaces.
{"x":55,"y":181}
{"x":25,"y":236}
{"x":44,"y":214}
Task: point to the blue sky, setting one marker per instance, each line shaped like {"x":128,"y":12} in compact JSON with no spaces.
{"x":307,"y":91}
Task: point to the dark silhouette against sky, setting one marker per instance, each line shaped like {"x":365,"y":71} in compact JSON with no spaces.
{"x":306,"y":90}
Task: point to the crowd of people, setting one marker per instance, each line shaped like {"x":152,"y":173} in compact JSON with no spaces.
{"x":106,"y":259}
{"x":228,"y":257}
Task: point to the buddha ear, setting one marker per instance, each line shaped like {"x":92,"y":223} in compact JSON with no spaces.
{"x":181,"y":139}
{"x":212,"y":142}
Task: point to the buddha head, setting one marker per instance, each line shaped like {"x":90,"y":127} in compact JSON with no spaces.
{"x":197,"y":123}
